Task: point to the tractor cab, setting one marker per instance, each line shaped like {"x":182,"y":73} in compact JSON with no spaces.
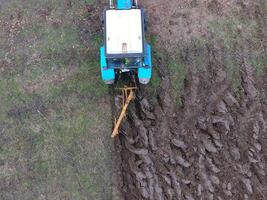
{"x":125,"y":49}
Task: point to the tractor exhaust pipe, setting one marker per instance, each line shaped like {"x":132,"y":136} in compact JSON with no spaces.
{"x":111,"y":4}
{"x":136,"y":3}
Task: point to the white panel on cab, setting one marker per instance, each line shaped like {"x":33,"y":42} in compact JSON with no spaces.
{"x":124,"y":34}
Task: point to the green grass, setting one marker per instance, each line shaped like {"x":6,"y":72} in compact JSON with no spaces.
{"x":178,"y":71}
{"x":259,"y":62}
{"x":226,"y":33}
{"x":236,"y":29}
{"x":55,"y":114}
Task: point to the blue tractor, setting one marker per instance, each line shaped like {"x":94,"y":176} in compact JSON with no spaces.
{"x":125,"y":49}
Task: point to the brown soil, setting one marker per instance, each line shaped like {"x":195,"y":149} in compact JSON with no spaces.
{"x":214,"y":145}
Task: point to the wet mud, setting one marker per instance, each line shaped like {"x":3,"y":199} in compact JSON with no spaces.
{"x":213,"y":146}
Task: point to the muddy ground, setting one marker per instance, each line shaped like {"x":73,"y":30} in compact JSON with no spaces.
{"x":212,"y":145}
{"x":197,"y":131}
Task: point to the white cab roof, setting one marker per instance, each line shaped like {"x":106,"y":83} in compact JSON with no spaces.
{"x":124,"y":33}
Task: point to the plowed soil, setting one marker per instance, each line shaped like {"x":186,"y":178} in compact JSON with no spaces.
{"x":213,"y":144}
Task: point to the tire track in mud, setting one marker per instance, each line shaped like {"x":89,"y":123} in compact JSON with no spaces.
{"x":211,"y":149}
{"x":254,"y":125}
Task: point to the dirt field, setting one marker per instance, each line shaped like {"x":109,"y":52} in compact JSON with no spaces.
{"x":204,"y":136}
{"x":198,"y":131}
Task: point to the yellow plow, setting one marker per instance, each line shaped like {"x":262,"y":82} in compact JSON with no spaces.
{"x":127,"y":95}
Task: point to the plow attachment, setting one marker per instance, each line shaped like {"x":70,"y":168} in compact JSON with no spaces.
{"x":127,"y":95}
